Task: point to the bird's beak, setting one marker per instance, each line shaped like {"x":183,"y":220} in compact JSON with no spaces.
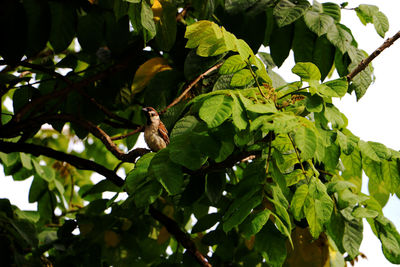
{"x":144,"y":109}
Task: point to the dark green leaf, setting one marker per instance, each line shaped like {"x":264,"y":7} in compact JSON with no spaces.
{"x":63,"y":25}
{"x":281,"y":43}
{"x":286,"y":12}
{"x":215,"y":185}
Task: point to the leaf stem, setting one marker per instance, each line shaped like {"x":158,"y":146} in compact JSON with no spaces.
{"x":298,"y":157}
{"x":255,"y":79}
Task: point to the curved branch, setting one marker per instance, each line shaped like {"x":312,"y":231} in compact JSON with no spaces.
{"x":79,"y":163}
{"x":365,"y":62}
{"x":180,"y":236}
{"x":128,"y":134}
{"x":190,"y":86}
{"x":14,"y":129}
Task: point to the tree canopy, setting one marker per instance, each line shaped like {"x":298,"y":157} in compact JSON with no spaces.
{"x":260,"y":171}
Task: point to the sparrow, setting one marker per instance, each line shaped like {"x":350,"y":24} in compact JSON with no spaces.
{"x":155,"y":133}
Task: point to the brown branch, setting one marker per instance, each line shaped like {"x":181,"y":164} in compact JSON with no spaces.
{"x":128,"y":134}
{"x":180,"y":236}
{"x":79,"y":163}
{"x":365,"y":62}
{"x":14,"y":129}
{"x":190,"y":86}
{"x":45,"y":70}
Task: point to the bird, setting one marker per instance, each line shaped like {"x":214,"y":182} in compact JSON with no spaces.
{"x":155,"y":133}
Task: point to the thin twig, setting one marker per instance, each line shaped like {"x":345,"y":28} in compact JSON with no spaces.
{"x":180,"y":236}
{"x":128,"y":134}
{"x":79,"y":163}
{"x":298,"y":156}
{"x":190,"y":86}
{"x":256,"y":80}
{"x":365,"y":62}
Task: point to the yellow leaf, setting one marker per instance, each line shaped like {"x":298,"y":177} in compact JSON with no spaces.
{"x":111,"y":238}
{"x":146,"y":72}
{"x":157,"y":10}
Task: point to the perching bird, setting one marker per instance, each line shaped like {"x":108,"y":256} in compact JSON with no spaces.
{"x":155,"y":133}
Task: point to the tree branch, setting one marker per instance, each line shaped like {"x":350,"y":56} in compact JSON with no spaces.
{"x":79,"y":163}
{"x":365,"y":62}
{"x":14,"y":129}
{"x":127,"y":135}
{"x":180,"y":236}
{"x":190,"y":86}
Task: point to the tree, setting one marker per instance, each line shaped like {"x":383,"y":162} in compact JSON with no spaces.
{"x":267,"y":167}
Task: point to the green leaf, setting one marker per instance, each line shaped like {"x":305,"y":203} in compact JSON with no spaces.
{"x":232,"y":65}
{"x":281,"y":43}
{"x":339,"y":37}
{"x":352,"y":234}
{"x":146,"y":18}
{"x":332,"y":10}
{"x":38,"y":188}
{"x":361,"y":212}
{"x":318,"y":207}
{"x":185,"y":151}
{"x":335,"y":88}
{"x":297,"y":204}
{"x":46,"y":172}
{"x":390,"y":239}
{"x":333,"y":115}
{"x":391,"y":176}
{"x":25,"y":160}
{"x":216,"y":109}
{"x":63,"y":25}
{"x":254,"y":223}
{"x":238,"y":114}
{"x":139,"y":173}
{"x":271,"y":244}
{"x":305,"y":140}
{"x":318,"y":22}
{"x":381,"y":23}
{"x":307,"y":71}
{"x":303,"y":42}
{"x":366,"y":12}
{"x":168,"y":173}
{"x":287,"y":12}
{"x":242,"y":211}
{"x":242,"y":78}
{"x":265,"y":108}
{"x":102,"y":186}
{"x":323,"y":56}
{"x":368,"y":151}
{"x":314,"y":103}
{"x":147,"y":193}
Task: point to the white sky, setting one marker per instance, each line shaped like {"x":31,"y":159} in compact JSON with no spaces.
{"x":373,"y":118}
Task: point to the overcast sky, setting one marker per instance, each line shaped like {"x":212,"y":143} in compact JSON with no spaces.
{"x":373,"y":118}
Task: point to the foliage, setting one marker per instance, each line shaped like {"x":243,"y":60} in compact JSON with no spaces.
{"x":266,"y":167}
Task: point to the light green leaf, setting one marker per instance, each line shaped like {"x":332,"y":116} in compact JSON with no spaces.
{"x":339,"y":37}
{"x":352,"y":234}
{"x":318,"y":22}
{"x":318,"y":207}
{"x":381,"y":23}
{"x":366,"y":12}
{"x":391,"y":177}
{"x":306,"y":141}
{"x":26,"y":161}
{"x":47,"y":173}
{"x":361,"y":212}
{"x":244,"y":49}
{"x":216,"y":109}
{"x":232,"y":65}
{"x":297,"y":204}
{"x":307,"y":71}
{"x":390,"y":239}
{"x":265,"y":108}
{"x":368,"y":151}
{"x":242,"y":78}
{"x":333,"y":115}
{"x":335,"y":88}
{"x":168,"y":173}
{"x":238,"y":114}
{"x":332,"y":10}
{"x":287,"y":12}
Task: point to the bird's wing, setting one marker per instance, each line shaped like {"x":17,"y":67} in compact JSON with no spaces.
{"x":163,"y":132}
